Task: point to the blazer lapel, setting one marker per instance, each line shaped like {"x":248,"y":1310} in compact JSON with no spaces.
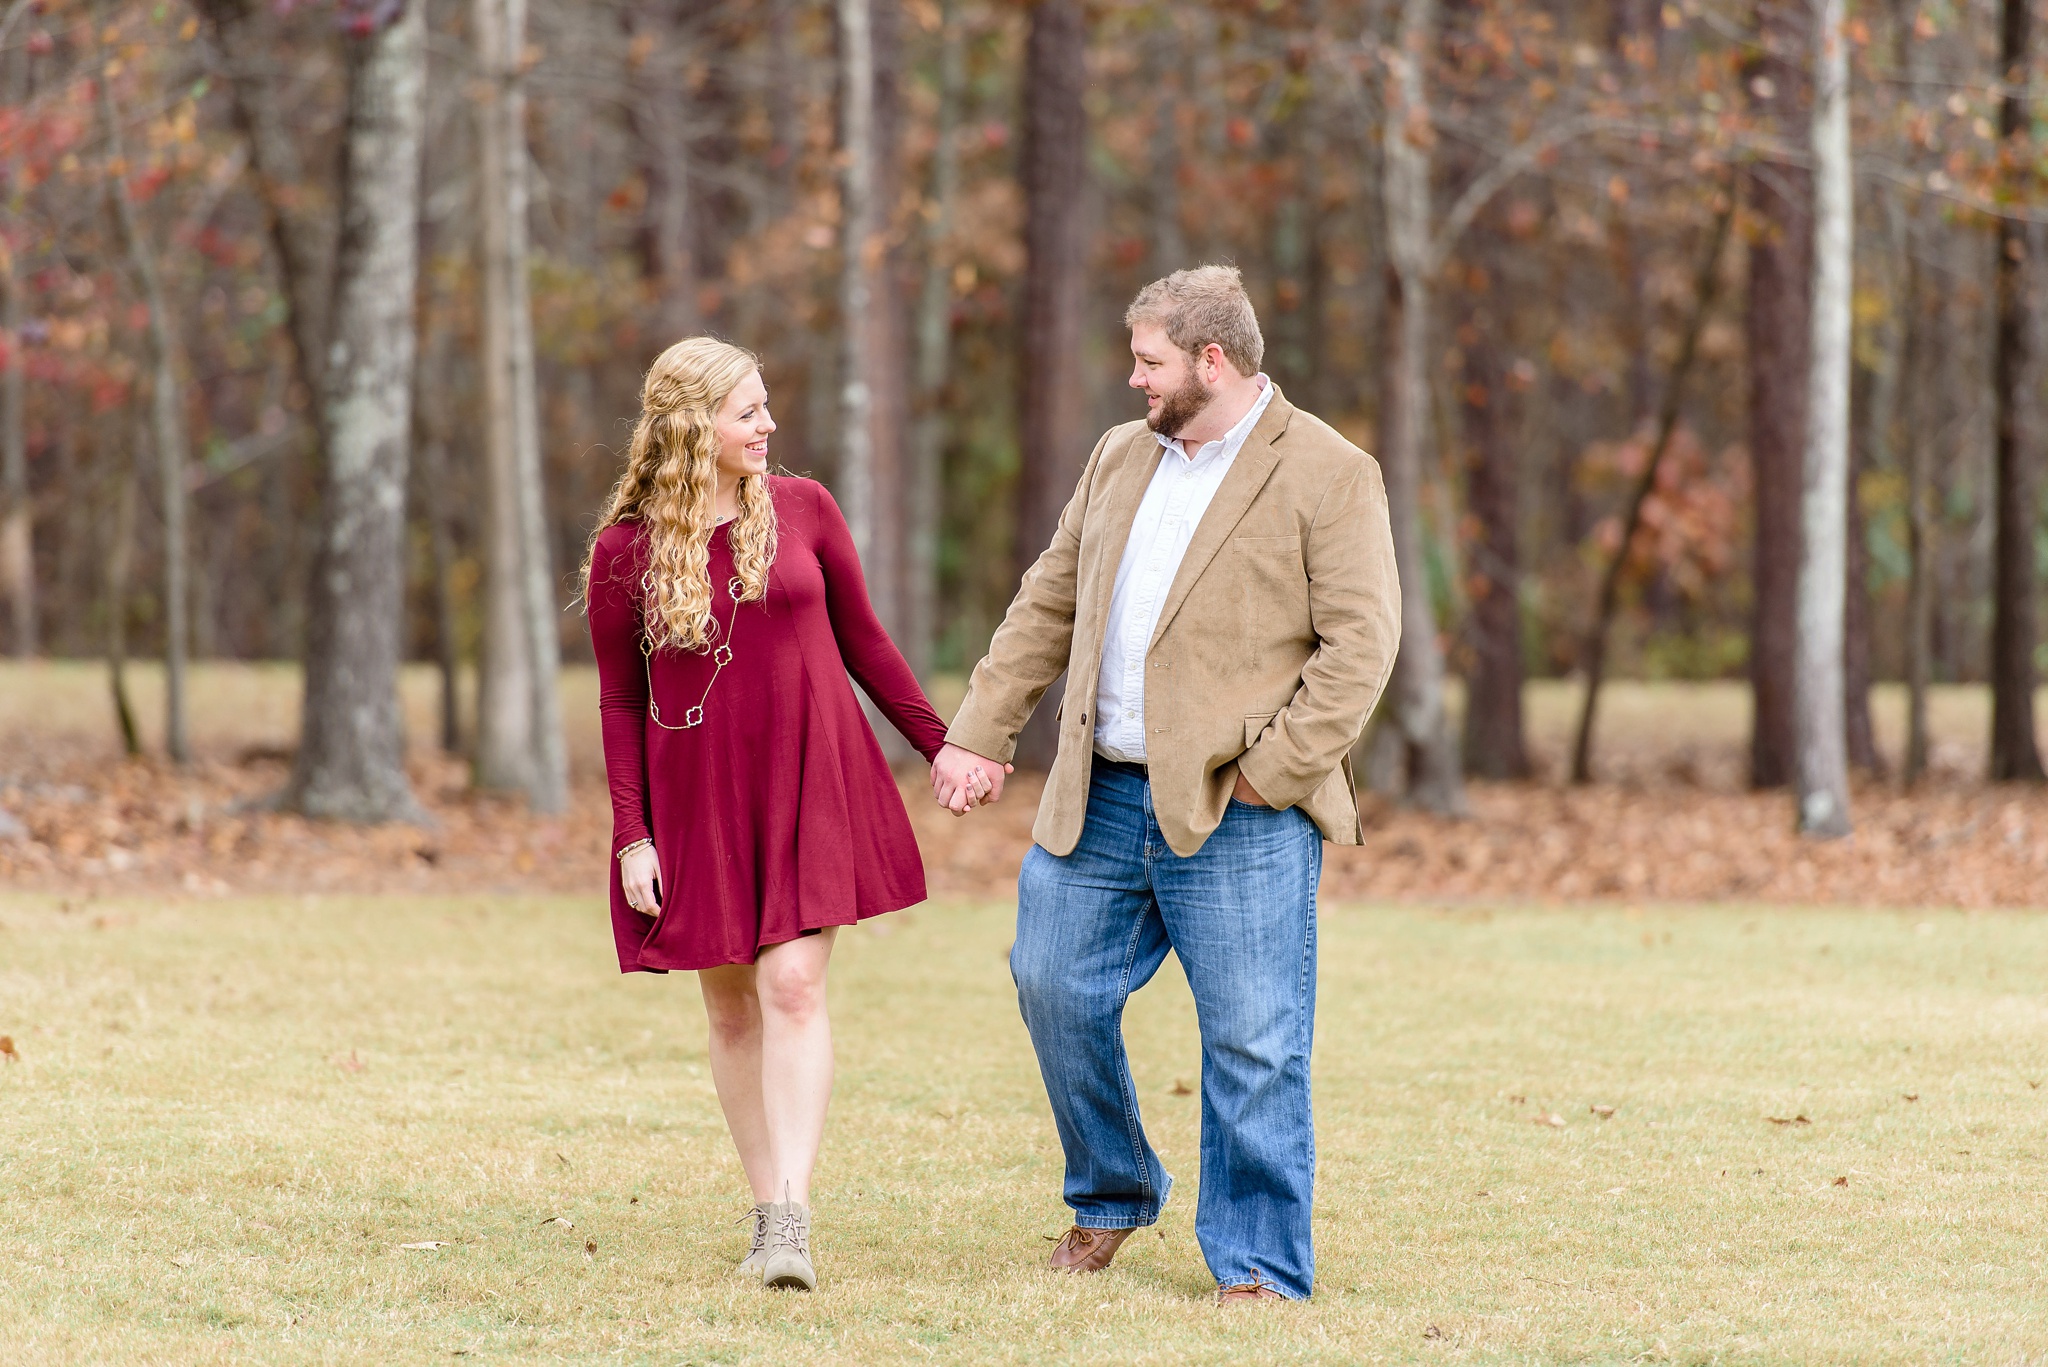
{"x":1247,"y":475}
{"x":1119,"y":511}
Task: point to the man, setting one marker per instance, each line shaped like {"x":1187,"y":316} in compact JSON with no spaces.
{"x":1221,"y":593}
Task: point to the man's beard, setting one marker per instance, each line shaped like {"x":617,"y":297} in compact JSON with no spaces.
{"x":1181,"y":407}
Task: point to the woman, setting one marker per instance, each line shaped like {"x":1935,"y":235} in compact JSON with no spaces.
{"x":753,"y":813}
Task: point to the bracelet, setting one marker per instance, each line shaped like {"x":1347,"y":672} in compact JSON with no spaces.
{"x":641,"y":844}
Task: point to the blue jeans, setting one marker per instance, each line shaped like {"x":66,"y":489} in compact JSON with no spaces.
{"x":1240,"y":913}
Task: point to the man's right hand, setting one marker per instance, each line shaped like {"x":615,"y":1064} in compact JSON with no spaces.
{"x":962,"y":780}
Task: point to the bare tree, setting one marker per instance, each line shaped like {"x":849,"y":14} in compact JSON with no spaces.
{"x":17,"y":514}
{"x":519,"y":722}
{"x":860,"y":245}
{"x":1493,"y":741}
{"x":1817,"y":678}
{"x":1780,"y":285}
{"x":298,"y":203}
{"x":1413,"y":750}
{"x":17,"y":539}
{"x":168,"y":421}
{"x":1053,"y":166}
{"x":351,"y":760}
{"x":119,"y":557}
{"x":923,"y":476}
{"x":658,"y":113}
{"x":2015,"y":754}
{"x":1593,"y":656}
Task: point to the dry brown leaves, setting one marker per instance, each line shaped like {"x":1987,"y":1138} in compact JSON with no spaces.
{"x":94,"y":827}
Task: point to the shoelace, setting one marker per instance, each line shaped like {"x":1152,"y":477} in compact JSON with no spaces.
{"x":1257,"y":1283}
{"x":760,"y":1219}
{"x":790,"y":1230}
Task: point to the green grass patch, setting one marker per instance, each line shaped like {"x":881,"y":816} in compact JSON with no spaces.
{"x":229,"y":1118}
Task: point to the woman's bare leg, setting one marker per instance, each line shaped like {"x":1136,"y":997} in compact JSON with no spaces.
{"x":734,"y":1008}
{"x":796,"y":1059}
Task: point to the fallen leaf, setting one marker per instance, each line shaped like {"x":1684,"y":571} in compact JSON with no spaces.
{"x":2033,"y":1084}
{"x":350,"y":1064}
{"x":1181,"y":1088}
{"x":564,"y":1221}
{"x":428,"y":1245}
{"x":1910,"y":1096}
{"x":1604,"y":1112}
{"x":1552,"y":1119}
{"x":1841,"y":1181}
{"x":7,"y":1049}
{"x":1518,"y":1101}
{"x":1432,"y":1332}
{"x":1789,"y":1120}
{"x":590,"y":1248}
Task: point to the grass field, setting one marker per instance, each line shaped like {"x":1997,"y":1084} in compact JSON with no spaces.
{"x":230,"y":1117}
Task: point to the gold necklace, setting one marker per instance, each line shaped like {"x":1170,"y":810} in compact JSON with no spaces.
{"x":721,"y":657}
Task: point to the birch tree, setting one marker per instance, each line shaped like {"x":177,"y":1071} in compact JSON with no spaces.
{"x":1822,"y":773}
{"x":519,"y":722}
{"x":859,"y":218}
{"x":1414,"y":750}
{"x":351,"y":759}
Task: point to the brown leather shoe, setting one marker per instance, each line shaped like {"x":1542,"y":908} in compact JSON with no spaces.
{"x":1246,"y":1292}
{"x":1086,"y":1250}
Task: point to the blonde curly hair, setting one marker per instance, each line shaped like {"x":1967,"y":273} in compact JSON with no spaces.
{"x":670,"y":484}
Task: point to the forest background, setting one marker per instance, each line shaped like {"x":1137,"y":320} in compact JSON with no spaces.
{"x":323,"y":326}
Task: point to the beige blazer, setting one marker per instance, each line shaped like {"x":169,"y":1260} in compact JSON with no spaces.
{"x":1275,"y":640}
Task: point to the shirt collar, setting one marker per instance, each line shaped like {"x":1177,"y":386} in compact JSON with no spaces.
{"x":1235,"y":438}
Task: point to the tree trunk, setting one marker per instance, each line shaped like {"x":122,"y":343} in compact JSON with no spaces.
{"x":1053,"y":409}
{"x":120,"y":555}
{"x":431,"y":425}
{"x":17,"y":536}
{"x":1413,"y":751}
{"x":657,"y":113}
{"x":1817,"y":683}
{"x":300,"y":216}
{"x":1594,"y":655}
{"x":519,"y":737}
{"x":924,"y":475}
{"x":859,"y":246}
{"x":1780,"y":284}
{"x":1917,"y":457}
{"x":17,"y":512}
{"x":1858,"y":731}
{"x":2015,"y":754}
{"x":351,"y":760}
{"x":1493,"y":746}
{"x":169,"y":423}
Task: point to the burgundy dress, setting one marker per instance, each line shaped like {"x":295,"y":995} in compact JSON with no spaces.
{"x":776,"y":815}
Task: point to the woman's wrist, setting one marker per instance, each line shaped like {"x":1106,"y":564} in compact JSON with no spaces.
{"x":641,"y":844}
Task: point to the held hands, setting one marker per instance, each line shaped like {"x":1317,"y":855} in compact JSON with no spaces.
{"x":963,"y":780}
{"x":640,"y":872}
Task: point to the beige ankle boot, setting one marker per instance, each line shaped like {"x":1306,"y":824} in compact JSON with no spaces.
{"x":757,"y":1254}
{"x":788,"y":1264}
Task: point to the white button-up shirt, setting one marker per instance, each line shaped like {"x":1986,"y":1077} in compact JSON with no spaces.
{"x":1173,"y":505}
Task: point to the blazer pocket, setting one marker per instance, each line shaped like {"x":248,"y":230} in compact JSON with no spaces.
{"x":1255,"y":726}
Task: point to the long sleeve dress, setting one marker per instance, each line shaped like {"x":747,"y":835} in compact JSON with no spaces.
{"x":776,"y":815}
